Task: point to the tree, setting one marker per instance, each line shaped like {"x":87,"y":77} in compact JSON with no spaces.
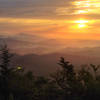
{"x":5,"y":72}
{"x":91,"y":82}
{"x":14,"y":83}
{"x":78,"y":85}
{"x":66,"y":79}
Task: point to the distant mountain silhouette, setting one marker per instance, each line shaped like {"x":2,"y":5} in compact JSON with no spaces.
{"x":86,"y":51}
{"x":45,"y":64}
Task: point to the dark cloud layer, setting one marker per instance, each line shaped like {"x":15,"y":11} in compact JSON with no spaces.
{"x":31,"y":8}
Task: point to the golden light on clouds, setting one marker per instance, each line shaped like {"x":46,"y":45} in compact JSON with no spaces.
{"x":25,"y":21}
{"x":17,"y":25}
{"x":87,"y":6}
{"x":87,"y":3}
{"x":80,"y":7}
{"x":84,"y":3}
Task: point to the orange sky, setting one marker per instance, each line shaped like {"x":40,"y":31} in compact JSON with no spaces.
{"x":51,"y":19}
{"x":75,"y":19}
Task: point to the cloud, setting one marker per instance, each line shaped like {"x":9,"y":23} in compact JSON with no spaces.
{"x":31,"y":8}
{"x":48,"y":9}
{"x":49,"y":18}
{"x":24,"y":43}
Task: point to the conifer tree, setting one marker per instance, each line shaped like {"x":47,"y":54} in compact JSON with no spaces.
{"x":5,"y":71}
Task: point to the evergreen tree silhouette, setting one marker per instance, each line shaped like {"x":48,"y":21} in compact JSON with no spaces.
{"x":5,"y":71}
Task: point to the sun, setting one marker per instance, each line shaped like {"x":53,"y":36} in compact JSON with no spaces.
{"x":81,"y":23}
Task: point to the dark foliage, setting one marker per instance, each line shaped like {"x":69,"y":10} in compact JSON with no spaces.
{"x":65,"y":84}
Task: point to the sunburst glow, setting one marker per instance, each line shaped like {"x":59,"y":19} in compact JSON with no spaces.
{"x":81,"y":23}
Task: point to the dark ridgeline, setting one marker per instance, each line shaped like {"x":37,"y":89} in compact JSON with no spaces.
{"x":65,"y":84}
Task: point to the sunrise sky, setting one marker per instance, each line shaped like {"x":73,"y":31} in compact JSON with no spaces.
{"x":44,"y":20}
